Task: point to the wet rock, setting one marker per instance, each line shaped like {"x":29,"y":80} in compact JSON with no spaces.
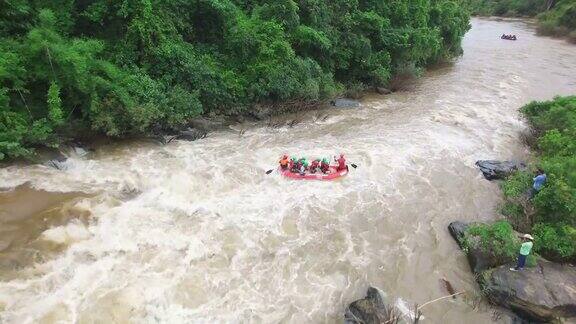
{"x":205,"y":124}
{"x":369,"y":310}
{"x":345,"y":103}
{"x":53,"y":158}
{"x":60,"y":165}
{"x":80,"y":151}
{"x":497,"y":170}
{"x":479,"y":259}
{"x":383,"y":91}
{"x":458,"y":229}
{"x":542,"y":293}
{"x":77,"y":149}
{"x":191,"y":134}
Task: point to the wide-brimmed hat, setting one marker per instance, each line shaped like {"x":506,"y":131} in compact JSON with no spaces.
{"x":528,"y":236}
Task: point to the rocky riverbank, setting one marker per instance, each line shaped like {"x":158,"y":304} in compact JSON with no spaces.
{"x":542,"y":293}
{"x":197,"y":128}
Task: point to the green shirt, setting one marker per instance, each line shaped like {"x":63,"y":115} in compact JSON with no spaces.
{"x":526,"y":248}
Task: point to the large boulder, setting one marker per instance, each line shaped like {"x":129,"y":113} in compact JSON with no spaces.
{"x":542,"y":293}
{"x":480,"y":259}
{"x":370,"y":310}
{"x":345,"y":103}
{"x":497,"y":170}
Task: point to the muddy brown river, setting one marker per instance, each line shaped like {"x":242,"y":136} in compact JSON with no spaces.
{"x":196,"y":232}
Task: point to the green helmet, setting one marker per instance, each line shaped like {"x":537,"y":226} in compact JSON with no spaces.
{"x":324,"y":160}
{"x":294,"y":159}
{"x":305,"y":163}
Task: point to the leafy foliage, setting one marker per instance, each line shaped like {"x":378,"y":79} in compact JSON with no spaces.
{"x":498,"y":238}
{"x":556,"y":240}
{"x":132,"y":67}
{"x":510,"y":8}
{"x":554,"y":225}
{"x":560,"y":21}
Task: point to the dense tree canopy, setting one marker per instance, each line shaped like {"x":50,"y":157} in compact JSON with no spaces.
{"x":131,"y":66}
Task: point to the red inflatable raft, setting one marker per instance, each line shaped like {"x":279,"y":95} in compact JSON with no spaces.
{"x":315,"y":176}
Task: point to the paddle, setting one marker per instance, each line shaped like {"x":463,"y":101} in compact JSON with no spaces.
{"x":269,"y":171}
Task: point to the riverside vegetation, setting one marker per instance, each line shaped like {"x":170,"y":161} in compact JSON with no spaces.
{"x":133,"y":67}
{"x":551,"y":215}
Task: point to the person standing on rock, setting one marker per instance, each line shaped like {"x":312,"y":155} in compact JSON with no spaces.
{"x":525,"y":249}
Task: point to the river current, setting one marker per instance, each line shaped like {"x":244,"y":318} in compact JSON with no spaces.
{"x":197,"y":232}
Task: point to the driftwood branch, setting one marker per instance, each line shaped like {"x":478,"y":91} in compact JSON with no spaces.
{"x":441,"y":298}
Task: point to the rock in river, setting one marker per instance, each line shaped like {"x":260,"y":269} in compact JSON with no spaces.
{"x":374,"y":309}
{"x":497,"y":170}
{"x":369,"y":310}
{"x":53,"y":158}
{"x":345,"y":103}
{"x":542,"y":293}
{"x":191,"y":134}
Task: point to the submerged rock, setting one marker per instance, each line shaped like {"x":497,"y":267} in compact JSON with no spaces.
{"x":497,"y":170}
{"x":542,"y":293}
{"x":345,"y":103}
{"x":479,"y":259}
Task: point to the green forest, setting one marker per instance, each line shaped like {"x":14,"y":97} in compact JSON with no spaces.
{"x":555,"y":17}
{"x":130,"y":67}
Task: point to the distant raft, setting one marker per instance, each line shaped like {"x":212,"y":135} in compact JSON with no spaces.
{"x":332,"y":175}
